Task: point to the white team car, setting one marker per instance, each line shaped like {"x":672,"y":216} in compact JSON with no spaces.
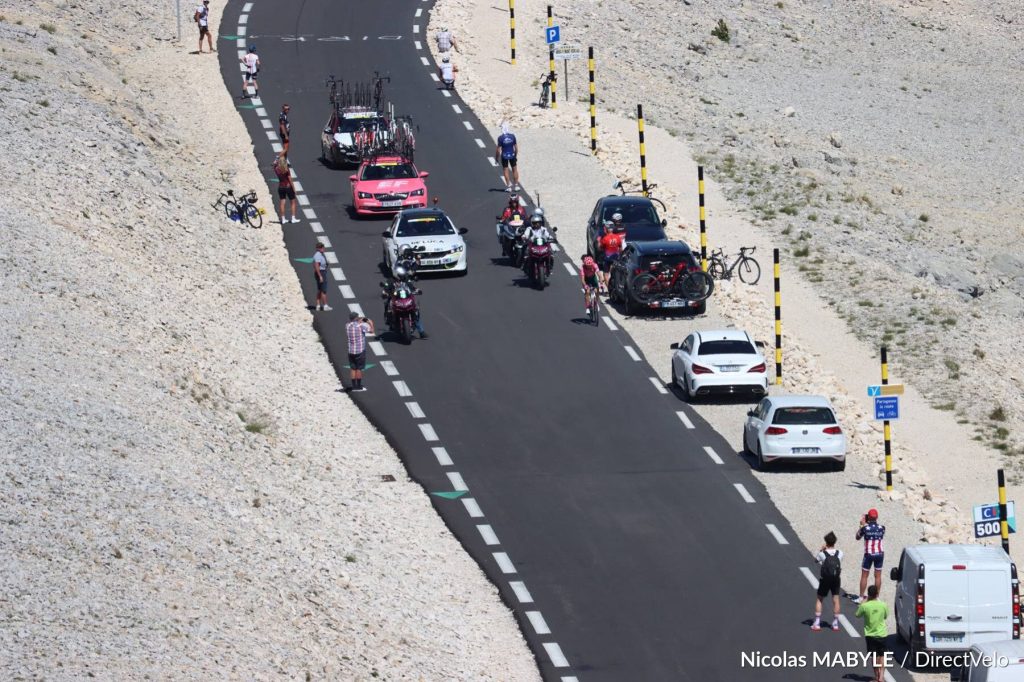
{"x":433,"y":237}
{"x":795,"y":428}
{"x":719,"y":362}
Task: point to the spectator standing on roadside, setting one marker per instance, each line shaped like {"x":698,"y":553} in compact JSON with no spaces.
{"x":872,"y":533}
{"x":507,"y":152}
{"x":356,"y":330}
{"x":830,"y":559}
{"x":202,"y":18}
{"x":284,"y":127}
{"x":285,"y":187}
{"x":320,"y":270}
{"x":446,"y":40}
{"x":874,"y":613}
{"x":252,"y":67}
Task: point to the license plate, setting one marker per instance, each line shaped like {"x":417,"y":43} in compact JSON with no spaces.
{"x":430,"y":261}
{"x":673,"y":304}
{"x":806,"y":451}
{"x":728,"y":368}
{"x":391,"y":204}
{"x":947,"y":636}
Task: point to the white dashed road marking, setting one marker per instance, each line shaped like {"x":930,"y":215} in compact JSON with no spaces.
{"x":309,"y":213}
{"x":479,"y":143}
{"x":355,"y":308}
{"x":415,"y":410}
{"x":402,"y":388}
{"x":472,"y":508}
{"x":487,"y":533}
{"x":776,"y":533}
{"x":266,"y":124}
{"x":303,"y":200}
{"x":555,"y":654}
{"x":569,"y":679}
{"x":337,"y":273}
{"x":271,"y":135}
{"x":632,"y":353}
{"x":296,"y":184}
{"x":325,"y":241}
{"x":418,"y":44}
{"x":850,"y":630}
{"x":378,"y":348}
{"x":683,"y":418}
{"x":331,"y":257}
{"x":522,"y":594}
{"x":469,"y":126}
{"x":504,"y":563}
{"x":661,"y":388}
{"x":712,"y":454}
{"x":608,"y":323}
{"x":457,"y":483}
{"x":429,"y":434}
{"x":568,"y":266}
{"x":389,"y":368}
{"x":456,"y":108}
{"x":416,"y":28}
{"x":426,"y":62}
{"x":810,"y":576}
{"x":246,"y":7}
{"x":260,"y":111}
{"x":432,"y":74}
{"x":241,"y":32}
{"x":419,"y":12}
{"x":442,"y":455}
{"x":747,"y":497}
{"x":538,"y":623}
{"x":493,"y":162}
{"x":346,"y":291}
{"x":316,"y":227}
{"x":276,"y":146}
{"x":446,"y":93}
{"x":243,"y":19}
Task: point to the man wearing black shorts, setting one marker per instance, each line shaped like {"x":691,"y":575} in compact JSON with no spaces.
{"x":507,"y":151}
{"x":320,"y":270}
{"x":284,"y":127}
{"x":285,"y":187}
{"x":830,"y":560}
{"x":202,"y":18}
{"x":355,"y":331}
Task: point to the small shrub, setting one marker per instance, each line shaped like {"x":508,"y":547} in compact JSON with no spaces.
{"x":953,"y":367}
{"x":998,"y":414}
{"x":946,"y":407}
{"x":979,"y":353}
{"x":949,"y":322}
{"x":865,"y":304}
{"x":1002,"y":433}
{"x":351,"y":558}
{"x":802,"y":252}
{"x":721,"y":31}
{"x":85,"y":214}
{"x":789,"y":228}
{"x":49,"y":28}
{"x":779,"y":5}
{"x":20,"y":77}
{"x":255,"y":427}
{"x":19,"y":22}
{"x":52,"y":50}
{"x":43,"y":102}
{"x":789,"y":210}
{"x":923,"y":217}
{"x":836,"y":220}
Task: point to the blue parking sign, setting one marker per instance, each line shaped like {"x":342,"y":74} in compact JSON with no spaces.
{"x":553,"y":34}
{"x":887,"y":407}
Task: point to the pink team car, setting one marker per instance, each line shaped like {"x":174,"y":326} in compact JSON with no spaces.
{"x":387,"y":184}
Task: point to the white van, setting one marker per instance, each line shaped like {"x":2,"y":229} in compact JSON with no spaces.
{"x":994,"y":662}
{"x":951,"y":597}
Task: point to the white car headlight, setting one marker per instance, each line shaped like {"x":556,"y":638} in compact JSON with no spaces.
{"x":459,"y":248}
{"x":416,"y":193}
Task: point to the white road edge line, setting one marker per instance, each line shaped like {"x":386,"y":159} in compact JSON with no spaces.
{"x":522,"y":594}
{"x":568,"y":266}
{"x":711,"y":453}
{"x":776,"y":533}
{"x":389,"y":368}
{"x":378,"y":348}
{"x":555,"y":654}
{"x":456,"y":108}
{"x":442,"y":455}
{"x":504,"y":563}
{"x":540,"y":626}
{"x":850,"y":630}
{"x":658,"y":384}
{"x":457,"y":483}
{"x":402,"y":388}
{"x":472,"y":508}
{"x":683,"y":418}
{"x":747,"y":497}
{"x":608,"y":323}
{"x":810,"y":576}
{"x":426,"y":62}
{"x":346,"y":291}
{"x":356,"y":308}
{"x":429,"y":434}
{"x":480,"y":143}
{"x":415,"y":411}
{"x":469,"y":126}
{"x":488,"y":534}
{"x":631,"y":352}
{"x":337,"y":273}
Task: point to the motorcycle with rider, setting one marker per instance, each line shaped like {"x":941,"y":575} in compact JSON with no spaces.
{"x":401,"y":309}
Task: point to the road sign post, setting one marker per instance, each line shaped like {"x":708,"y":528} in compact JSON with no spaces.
{"x":886,"y":431}
{"x":553,"y":37}
{"x":1004,"y":516}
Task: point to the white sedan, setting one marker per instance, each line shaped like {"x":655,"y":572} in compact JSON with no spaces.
{"x":796,"y":428}
{"x":719,"y":362}
{"x":432,"y":235}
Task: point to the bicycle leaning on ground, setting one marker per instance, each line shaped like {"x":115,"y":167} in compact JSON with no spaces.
{"x":545,"y":90}
{"x":241,"y":208}
{"x":749,"y":270}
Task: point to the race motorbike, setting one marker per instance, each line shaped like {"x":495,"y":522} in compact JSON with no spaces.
{"x":401,"y":312}
{"x":538,"y":261}
{"x":510,"y":237}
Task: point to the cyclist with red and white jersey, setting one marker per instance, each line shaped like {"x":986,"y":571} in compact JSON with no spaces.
{"x":611,"y":243}
{"x":588,"y":279}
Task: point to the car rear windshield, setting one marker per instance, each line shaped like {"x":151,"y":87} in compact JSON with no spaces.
{"x":350,"y":125}
{"x":632,"y":213}
{"x":726,"y":347}
{"x":389,"y":171}
{"x":426,"y":226}
{"x":803,"y":415}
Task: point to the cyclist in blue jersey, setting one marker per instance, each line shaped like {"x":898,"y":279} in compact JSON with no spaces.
{"x":506,"y":152}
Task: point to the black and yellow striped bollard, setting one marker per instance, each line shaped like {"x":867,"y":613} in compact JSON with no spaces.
{"x":643,"y":149}
{"x":886,"y":430}
{"x":703,"y":218}
{"x":551,"y":64}
{"x":512,"y":28}
{"x":593,"y":102}
{"x":778,"y":320}
{"x":1004,"y":524}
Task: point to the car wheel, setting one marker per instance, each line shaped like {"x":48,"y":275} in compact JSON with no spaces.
{"x":743,"y":443}
{"x":675,"y":377}
{"x":839,"y":466}
{"x":700,"y":309}
{"x":690,"y":395}
{"x":761,"y":464}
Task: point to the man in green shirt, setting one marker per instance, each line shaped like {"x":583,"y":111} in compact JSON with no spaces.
{"x":874,"y":613}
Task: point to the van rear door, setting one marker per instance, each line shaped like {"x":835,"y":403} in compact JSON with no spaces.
{"x":991,"y":605}
{"x":946,"y":611}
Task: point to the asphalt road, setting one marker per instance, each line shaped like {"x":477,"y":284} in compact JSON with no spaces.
{"x":602,"y":511}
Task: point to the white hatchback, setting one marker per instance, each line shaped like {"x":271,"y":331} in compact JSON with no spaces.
{"x":719,"y":362}
{"x":796,"y":428}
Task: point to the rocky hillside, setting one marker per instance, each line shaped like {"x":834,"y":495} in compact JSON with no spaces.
{"x":185,"y":493}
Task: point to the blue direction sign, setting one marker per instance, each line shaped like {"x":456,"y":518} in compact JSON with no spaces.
{"x":986,"y":520}
{"x":874,"y":391}
{"x":552,"y":34}
{"x":887,"y":407}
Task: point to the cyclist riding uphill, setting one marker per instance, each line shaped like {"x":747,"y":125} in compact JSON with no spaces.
{"x":448,"y":71}
{"x":588,"y":280}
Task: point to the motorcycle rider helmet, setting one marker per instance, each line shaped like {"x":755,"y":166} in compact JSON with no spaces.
{"x":252,"y":48}
{"x":401,"y":270}
{"x":513,"y":201}
{"x":536,"y":220}
{"x":539,"y":212}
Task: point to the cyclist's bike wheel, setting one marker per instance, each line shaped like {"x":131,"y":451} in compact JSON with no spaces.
{"x":253,"y":216}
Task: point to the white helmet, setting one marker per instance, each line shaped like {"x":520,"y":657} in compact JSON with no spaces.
{"x":444,"y":28}
{"x":539,"y":212}
{"x":446,"y":59}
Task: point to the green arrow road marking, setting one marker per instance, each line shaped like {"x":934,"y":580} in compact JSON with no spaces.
{"x":230,"y":37}
{"x":452,"y":495}
{"x":369,"y":365}
{"x":303,"y":260}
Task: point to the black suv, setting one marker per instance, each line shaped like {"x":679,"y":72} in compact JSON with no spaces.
{"x":639,"y":216}
{"x":637,"y":259}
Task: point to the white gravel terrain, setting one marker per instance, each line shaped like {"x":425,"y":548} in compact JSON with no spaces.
{"x":185,"y":493}
{"x":857,"y":257}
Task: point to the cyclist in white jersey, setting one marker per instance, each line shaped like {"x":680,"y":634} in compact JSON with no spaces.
{"x":252,"y":67}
